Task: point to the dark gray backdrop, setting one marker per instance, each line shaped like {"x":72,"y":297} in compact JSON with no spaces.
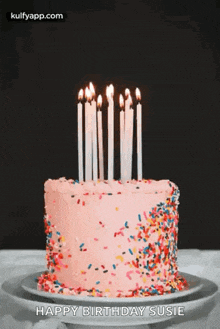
{"x":170,"y":51}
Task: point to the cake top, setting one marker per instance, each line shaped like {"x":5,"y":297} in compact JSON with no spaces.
{"x":148,"y":186}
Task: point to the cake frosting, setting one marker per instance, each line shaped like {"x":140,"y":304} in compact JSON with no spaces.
{"x":111,"y":239}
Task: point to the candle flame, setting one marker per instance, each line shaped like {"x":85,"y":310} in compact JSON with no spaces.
{"x":111,"y":89}
{"x":127,"y":92}
{"x":138,"y":94}
{"x":88,"y":94}
{"x":80,"y":95}
{"x":107,"y":92}
{"x":92,"y":89}
{"x":121,"y":100}
{"x":130,"y":99}
{"x":99,"y":101}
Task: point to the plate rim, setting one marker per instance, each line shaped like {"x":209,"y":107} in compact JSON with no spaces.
{"x":72,"y":298}
{"x":12,"y":288}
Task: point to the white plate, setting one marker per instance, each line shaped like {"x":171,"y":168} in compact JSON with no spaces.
{"x":195,"y":301}
{"x":29,"y":284}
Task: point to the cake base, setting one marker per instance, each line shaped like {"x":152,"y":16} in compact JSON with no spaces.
{"x":196,"y":306}
{"x":30,"y":285}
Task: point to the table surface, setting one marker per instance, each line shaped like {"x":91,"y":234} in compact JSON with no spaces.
{"x":203,"y":263}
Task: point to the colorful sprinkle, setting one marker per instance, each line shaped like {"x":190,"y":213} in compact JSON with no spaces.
{"x":128,"y":274}
{"x":120,"y":258}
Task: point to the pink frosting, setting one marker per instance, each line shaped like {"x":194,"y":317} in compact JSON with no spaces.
{"x":63,"y":185}
{"x":99,"y":224}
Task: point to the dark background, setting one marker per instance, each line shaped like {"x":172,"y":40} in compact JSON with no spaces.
{"x":169,"y":49}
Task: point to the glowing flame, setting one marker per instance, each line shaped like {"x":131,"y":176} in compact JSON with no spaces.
{"x":107,"y":92}
{"x":130,"y":99}
{"x":99,"y":101}
{"x":88,"y":94}
{"x":91,"y":87}
{"x":111,"y":88}
{"x":121,"y":101}
{"x":138,"y":94}
{"x":127,"y":92}
{"x":80,"y":95}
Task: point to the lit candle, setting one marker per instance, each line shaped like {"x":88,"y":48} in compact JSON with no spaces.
{"x":122,"y":130}
{"x":127,"y":136}
{"x":125,"y":150}
{"x":110,"y":92}
{"x":139,"y":135}
{"x":100,"y":139}
{"x":130,"y":116}
{"x":80,"y":138}
{"x":88,"y":136}
{"x":127,"y":102}
{"x":94,"y":134}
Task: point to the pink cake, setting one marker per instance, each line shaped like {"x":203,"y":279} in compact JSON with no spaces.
{"x":111,"y":239}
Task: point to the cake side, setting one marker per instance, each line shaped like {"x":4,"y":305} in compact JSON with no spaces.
{"x":111,"y":240}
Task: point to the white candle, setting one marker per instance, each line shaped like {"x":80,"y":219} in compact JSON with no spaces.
{"x":122,"y":130}
{"x":125,"y":150}
{"x":129,"y":114}
{"x":94,"y":135}
{"x":80,"y":138}
{"x":139,"y":136}
{"x":88,"y":137}
{"x":110,"y":91}
{"x":126,"y":147}
{"x":131,"y":144}
{"x":130,"y":118}
{"x":100,"y":140}
{"x":127,"y":101}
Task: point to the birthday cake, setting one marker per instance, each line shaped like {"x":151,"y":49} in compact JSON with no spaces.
{"x":111,"y":239}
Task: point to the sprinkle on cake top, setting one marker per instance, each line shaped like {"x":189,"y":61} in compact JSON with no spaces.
{"x":149,"y":186}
